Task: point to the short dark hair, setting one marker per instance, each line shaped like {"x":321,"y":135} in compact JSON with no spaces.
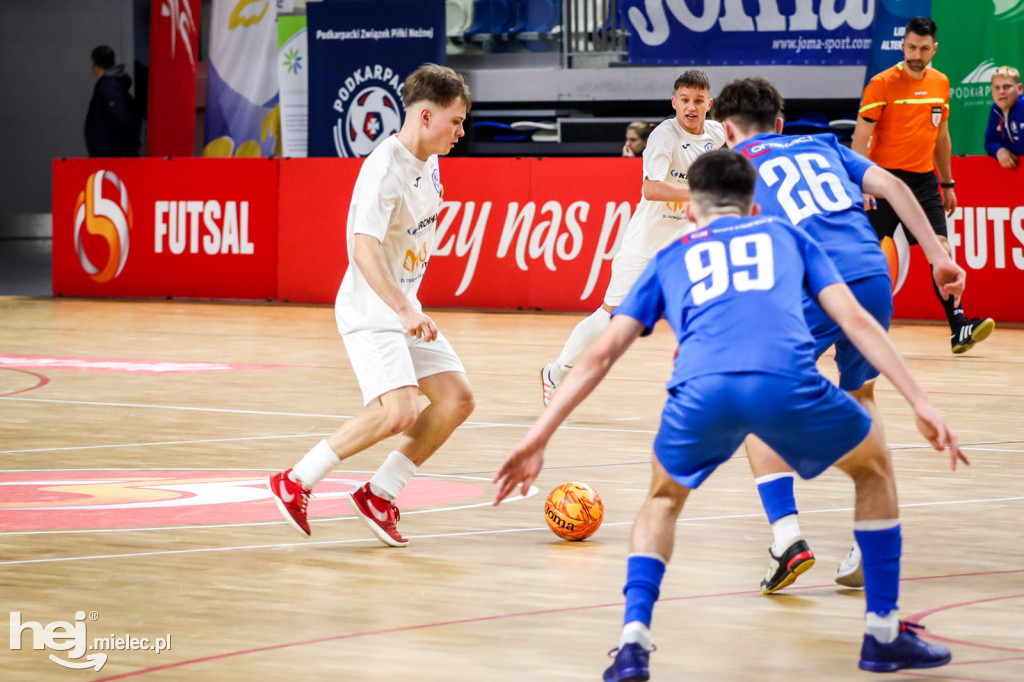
{"x":103,"y":56}
{"x":922,"y":26}
{"x":436,"y":84}
{"x":722,"y":179}
{"x":750,"y":103}
{"x":694,"y":78}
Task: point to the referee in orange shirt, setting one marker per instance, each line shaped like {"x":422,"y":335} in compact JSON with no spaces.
{"x":903,"y":127}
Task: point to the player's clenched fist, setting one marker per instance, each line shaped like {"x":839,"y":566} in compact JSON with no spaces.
{"x":419,"y":325}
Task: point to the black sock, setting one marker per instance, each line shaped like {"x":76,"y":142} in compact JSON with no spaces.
{"x":954,"y":314}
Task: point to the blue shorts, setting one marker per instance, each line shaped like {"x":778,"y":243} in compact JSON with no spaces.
{"x":875,"y":294}
{"x":808,"y":421}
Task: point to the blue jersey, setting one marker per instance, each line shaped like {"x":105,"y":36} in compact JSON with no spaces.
{"x":732,"y":293}
{"x":815,"y":183}
{"x":1005,"y":130}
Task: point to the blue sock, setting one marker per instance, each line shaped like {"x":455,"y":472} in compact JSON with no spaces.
{"x":643,"y":585}
{"x":881,"y":550}
{"x":777,"y":497}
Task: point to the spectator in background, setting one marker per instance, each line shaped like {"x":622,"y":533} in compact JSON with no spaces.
{"x":112,"y":124}
{"x":1004,"y":136}
{"x":636,"y":138}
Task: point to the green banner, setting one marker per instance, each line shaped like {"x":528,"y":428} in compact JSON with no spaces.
{"x":292,"y":69}
{"x":975,"y":37}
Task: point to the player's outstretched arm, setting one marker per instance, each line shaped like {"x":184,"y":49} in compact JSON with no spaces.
{"x":871,"y":340}
{"x":663,"y":190}
{"x":370,"y":259}
{"x":526,"y":459}
{"x":949,"y":276}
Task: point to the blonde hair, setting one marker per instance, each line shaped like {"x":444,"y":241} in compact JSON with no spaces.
{"x":641,"y":128}
{"x":1007,"y":72}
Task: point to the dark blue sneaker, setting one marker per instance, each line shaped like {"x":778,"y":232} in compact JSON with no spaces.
{"x":630,"y":664}
{"x":906,"y":651}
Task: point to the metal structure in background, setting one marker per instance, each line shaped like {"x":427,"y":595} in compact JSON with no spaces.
{"x":592,"y":28}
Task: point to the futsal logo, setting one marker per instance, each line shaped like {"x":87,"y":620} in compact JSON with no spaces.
{"x":369,"y":110}
{"x":103,"y":210}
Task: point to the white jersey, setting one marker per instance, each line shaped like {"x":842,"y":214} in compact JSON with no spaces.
{"x":670,"y":151}
{"x":396,"y":200}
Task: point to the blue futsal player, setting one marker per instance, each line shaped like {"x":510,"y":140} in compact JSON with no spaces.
{"x":734,"y":273}
{"x":816,"y":184}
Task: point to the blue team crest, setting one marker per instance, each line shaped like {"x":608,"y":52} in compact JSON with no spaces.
{"x":436,"y":177}
{"x":710,"y":147}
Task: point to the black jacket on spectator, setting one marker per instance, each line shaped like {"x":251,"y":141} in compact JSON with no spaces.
{"x":112,"y":124}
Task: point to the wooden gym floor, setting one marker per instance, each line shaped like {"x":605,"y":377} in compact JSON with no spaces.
{"x":135,"y":438}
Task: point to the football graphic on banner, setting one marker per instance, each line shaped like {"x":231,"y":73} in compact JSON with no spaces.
{"x":373,"y":117}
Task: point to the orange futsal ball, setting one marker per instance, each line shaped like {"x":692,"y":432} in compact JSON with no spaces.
{"x":574,"y":511}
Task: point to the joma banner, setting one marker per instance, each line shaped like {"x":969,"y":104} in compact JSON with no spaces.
{"x":719,"y":32}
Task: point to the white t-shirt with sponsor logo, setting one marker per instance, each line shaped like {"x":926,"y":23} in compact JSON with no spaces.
{"x":670,"y":151}
{"x":396,"y":199}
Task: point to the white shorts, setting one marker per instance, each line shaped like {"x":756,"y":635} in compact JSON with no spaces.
{"x":386,"y":360}
{"x":626,"y":270}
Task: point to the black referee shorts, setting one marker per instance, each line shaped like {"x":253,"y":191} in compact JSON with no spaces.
{"x":925,"y":187}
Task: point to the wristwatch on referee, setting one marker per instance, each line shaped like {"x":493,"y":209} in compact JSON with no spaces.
{"x":948,"y":185}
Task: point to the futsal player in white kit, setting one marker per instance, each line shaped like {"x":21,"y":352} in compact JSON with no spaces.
{"x":396,"y":350}
{"x":659,"y":219}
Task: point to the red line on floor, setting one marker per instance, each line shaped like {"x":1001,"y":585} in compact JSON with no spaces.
{"x":39,"y":384}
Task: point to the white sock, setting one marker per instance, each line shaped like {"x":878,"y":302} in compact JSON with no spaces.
{"x":638,"y":632}
{"x":315,"y":465}
{"x":392,"y":476}
{"x":883,"y":628}
{"x":582,"y":338}
{"x":786,"y":530}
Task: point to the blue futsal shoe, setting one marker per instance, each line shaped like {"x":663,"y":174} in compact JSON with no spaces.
{"x":906,"y":651}
{"x":630,"y":664}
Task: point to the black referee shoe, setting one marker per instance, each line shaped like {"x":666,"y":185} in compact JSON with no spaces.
{"x":971,"y":332}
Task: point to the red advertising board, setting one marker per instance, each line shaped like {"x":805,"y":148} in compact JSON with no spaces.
{"x":512,"y":233}
{"x":987,"y":235}
{"x":315,"y":194}
{"x":528,"y":233}
{"x":194,"y":228}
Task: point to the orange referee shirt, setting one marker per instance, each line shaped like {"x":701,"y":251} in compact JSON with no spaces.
{"x":908,"y":113}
